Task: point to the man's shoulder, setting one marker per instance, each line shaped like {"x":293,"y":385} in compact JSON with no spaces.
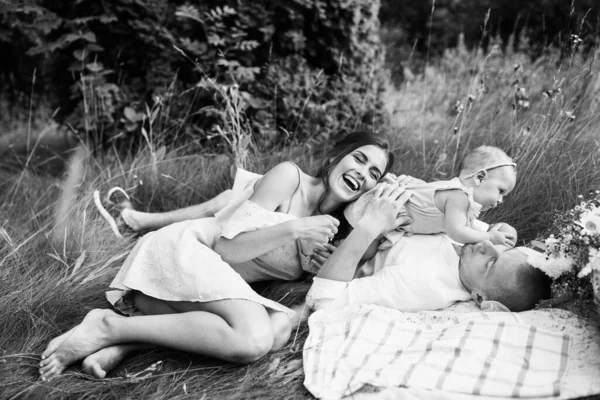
{"x":430,"y":247}
{"x":427,"y":240}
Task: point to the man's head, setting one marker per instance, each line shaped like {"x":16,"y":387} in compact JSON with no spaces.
{"x":496,"y":273}
{"x":491,"y":173}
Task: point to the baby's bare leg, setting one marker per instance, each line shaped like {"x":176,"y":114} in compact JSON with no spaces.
{"x":139,"y":220}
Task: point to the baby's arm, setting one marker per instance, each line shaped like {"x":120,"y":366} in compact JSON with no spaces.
{"x":455,"y":221}
{"x":275,"y":189}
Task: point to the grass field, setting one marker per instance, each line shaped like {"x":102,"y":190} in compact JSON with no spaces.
{"x":57,"y":255}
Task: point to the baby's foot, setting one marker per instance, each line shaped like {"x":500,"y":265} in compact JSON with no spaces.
{"x":104,"y":360}
{"x":81,"y":341}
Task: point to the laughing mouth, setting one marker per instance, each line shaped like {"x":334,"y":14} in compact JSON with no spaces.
{"x":351,"y":183}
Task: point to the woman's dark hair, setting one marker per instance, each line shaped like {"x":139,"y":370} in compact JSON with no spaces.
{"x":347,"y":145}
{"x":341,"y":149}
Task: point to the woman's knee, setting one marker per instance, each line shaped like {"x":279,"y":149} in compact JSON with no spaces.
{"x":282,"y":329}
{"x":252,"y":344}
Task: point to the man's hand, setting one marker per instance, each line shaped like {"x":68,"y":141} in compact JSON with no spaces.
{"x":384,"y":213}
{"x":321,"y":254}
{"x":409,"y":180}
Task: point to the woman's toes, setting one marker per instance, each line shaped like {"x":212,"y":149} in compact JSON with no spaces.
{"x":96,"y":371}
{"x":93,"y":368}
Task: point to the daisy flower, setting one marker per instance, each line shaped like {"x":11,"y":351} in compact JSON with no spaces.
{"x":590,"y":222}
{"x":593,"y":263}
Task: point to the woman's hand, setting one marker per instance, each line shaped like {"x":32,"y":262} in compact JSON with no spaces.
{"x":317,"y":229}
{"x":385,"y":211}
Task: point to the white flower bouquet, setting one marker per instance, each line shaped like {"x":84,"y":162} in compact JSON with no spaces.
{"x":572,"y":252}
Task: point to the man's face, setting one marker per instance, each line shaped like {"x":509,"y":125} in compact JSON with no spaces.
{"x":485,"y":267}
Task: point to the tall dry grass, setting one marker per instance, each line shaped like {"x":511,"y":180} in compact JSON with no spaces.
{"x":57,"y":255}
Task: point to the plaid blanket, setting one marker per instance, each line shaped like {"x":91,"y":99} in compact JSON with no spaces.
{"x":489,"y":354}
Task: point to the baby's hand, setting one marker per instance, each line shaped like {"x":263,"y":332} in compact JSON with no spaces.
{"x":501,"y":238}
{"x":506,"y":228}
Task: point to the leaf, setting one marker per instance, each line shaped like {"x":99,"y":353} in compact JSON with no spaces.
{"x":154,"y":114}
{"x":160,"y":153}
{"x":538,"y":244}
{"x":80,"y":54}
{"x":57,"y":258}
{"x":4,"y":235}
{"x":89,"y":36}
{"x":248,"y":45}
{"x":130,"y":114}
{"x":93,"y":47}
{"x":78,"y":263}
{"x":94,"y":67}
{"x":69,"y":38}
{"x":145,"y":135}
{"x":75,"y":67}
{"x":252,"y":101}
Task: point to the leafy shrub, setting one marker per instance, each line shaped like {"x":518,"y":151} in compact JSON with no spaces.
{"x":305,"y":66}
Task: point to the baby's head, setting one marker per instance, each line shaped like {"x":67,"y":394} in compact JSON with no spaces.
{"x":491,"y":173}
{"x":495,"y":273}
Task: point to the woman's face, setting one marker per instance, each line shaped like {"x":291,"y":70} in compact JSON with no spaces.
{"x":357,"y":172}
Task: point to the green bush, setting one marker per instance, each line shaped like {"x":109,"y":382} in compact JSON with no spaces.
{"x":291,"y":61}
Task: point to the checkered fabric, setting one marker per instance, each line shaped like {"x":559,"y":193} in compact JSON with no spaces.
{"x":489,"y":354}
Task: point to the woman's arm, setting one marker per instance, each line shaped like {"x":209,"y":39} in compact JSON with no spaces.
{"x":274,"y":190}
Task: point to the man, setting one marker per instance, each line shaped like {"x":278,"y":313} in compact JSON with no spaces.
{"x":423,"y":272}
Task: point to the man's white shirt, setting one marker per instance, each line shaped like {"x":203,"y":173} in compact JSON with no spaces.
{"x":419,"y":272}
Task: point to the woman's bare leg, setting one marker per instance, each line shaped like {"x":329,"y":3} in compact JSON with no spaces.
{"x":100,"y":363}
{"x":103,"y":361}
{"x":233,"y":330}
{"x":141,"y":221}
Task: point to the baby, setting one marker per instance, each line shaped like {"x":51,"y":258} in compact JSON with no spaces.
{"x":487,"y":175}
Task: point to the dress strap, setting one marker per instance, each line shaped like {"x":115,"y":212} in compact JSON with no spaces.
{"x":289,"y":205}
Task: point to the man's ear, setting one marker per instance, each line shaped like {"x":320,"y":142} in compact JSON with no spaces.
{"x":480,"y":176}
{"x":478,"y":297}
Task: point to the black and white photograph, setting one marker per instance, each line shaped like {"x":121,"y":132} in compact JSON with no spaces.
{"x":300,"y":199}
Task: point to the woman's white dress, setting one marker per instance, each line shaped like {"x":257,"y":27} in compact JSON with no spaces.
{"x":177,"y":262}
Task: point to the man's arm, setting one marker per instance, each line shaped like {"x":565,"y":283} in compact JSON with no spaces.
{"x":342,"y":263}
{"x":380,"y":216}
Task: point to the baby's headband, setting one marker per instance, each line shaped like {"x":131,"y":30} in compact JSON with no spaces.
{"x":493,"y":166}
{"x":551,"y":266}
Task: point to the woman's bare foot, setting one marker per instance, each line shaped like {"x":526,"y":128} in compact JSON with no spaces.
{"x":302,"y":313}
{"x":104,"y":360}
{"x":81,"y":341}
{"x":133,"y":219}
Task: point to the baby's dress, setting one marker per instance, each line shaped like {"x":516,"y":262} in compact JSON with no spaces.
{"x":427,"y":218}
{"x":178,"y":263}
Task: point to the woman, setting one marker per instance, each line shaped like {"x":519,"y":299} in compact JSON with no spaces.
{"x":184,"y":278}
